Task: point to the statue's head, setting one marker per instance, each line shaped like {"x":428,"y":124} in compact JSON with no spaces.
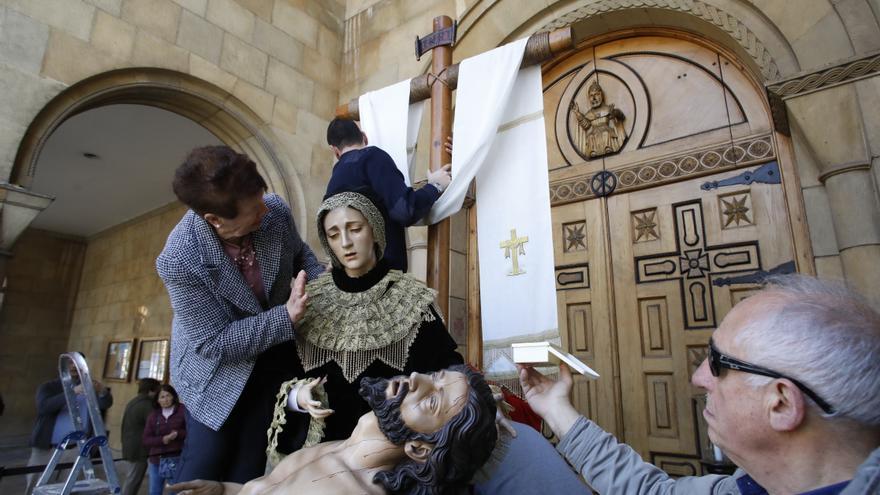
{"x":444,"y":421}
{"x":595,"y":95}
{"x":352,"y":231}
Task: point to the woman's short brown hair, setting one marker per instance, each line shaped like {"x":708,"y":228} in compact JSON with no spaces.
{"x":213,"y":178}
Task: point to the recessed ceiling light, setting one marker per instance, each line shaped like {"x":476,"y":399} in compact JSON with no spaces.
{"x":91,"y":156}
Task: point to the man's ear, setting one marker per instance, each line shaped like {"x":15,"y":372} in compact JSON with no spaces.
{"x":786,"y":405}
{"x":366,"y":141}
{"x":336,"y":151}
{"x":212,"y":219}
{"x":418,"y":450}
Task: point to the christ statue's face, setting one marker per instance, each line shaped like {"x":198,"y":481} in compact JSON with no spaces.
{"x":415,"y":403}
{"x":351,"y":239}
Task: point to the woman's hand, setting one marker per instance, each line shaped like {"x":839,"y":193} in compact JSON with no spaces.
{"x":296,"y":304}
{"x":306,"y":401}
{"x":169,"y":437}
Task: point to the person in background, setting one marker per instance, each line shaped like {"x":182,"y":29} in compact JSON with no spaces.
{"x":54,"y":422}
{"x":133,"y":421}
{"x":163,"y":434}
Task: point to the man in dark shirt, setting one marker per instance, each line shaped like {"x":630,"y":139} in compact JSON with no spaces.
{"x":360,"y":165}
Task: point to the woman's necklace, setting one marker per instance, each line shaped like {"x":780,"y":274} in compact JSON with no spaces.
{"x":246,"y":254}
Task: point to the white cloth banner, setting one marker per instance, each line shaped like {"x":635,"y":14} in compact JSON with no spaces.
{"x":500,"y":140}
{"x":484,"y":87}
{"x":392,"y":124}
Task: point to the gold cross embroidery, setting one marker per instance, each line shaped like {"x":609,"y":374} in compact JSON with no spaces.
{"x":513,"y":248}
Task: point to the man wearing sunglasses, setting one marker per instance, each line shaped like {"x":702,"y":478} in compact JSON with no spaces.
{"x":793,"y":398}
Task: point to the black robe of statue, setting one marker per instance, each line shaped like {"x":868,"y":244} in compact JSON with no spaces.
{"x":433,"y":349}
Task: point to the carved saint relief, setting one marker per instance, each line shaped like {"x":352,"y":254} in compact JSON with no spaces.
{"x":600,"y":129}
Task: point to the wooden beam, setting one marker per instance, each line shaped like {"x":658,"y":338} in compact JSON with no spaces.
{"x":539,"y":48}
{"x":441,"y":128}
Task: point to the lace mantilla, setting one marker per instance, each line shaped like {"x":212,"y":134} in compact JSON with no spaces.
{"x":356,"y":328}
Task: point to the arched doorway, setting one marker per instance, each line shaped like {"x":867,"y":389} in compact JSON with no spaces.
{"x":666,"y":199}
{"x":211,"y":107}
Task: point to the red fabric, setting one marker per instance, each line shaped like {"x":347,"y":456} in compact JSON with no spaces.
{"x":522,"y":412}
{"x":158,"y":426}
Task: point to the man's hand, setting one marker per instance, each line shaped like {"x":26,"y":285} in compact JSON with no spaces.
{"x":549,"y":398}
{"x":296,"y":304}
{"x":441,"y":177}
{"x":196,"y":487}
{"x":306,"y":401}
{"x":99,"y":387}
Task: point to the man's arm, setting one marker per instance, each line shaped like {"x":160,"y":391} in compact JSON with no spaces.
{"x":607,"y":465}
{"x":49,"y":402}
{"x":405,"y":205}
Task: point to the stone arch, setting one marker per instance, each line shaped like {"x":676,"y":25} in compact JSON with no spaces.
{"x":754,"y":38}
{"x":224,"y":115}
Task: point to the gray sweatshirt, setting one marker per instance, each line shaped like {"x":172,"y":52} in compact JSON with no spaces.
{"x":612,"y":467}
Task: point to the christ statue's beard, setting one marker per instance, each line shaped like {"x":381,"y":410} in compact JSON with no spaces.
{"x":387,"y":410}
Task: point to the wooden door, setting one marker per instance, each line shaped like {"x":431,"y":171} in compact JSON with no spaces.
{"x":665,"y":199}
{"x":584,"y":302}
{"x":681,"y":256}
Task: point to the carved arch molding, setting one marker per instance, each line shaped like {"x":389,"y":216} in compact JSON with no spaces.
{"x":204,"y":103}
{"x":709,"y":13}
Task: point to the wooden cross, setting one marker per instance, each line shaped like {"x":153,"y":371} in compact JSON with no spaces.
{"x":512,"y":249}
{"x":438,"y":86}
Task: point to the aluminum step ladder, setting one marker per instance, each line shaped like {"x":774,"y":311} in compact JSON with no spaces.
{"x":82,"y":467}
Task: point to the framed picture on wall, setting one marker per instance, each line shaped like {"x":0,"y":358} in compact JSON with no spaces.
{"x":153,"y":359}
{"x":117,"y":362}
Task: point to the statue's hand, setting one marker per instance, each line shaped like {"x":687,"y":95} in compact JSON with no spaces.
{"x":305,"y":399}
{"x":502,"y":422}
{"x":196,"y":487}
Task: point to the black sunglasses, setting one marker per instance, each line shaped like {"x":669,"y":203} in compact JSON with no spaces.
{"x":719,"y":361}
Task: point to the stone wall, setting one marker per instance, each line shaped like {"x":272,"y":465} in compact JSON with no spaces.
{"x":279,"y":57}
{"x":35,"y":322}
{"x":121,"y":297}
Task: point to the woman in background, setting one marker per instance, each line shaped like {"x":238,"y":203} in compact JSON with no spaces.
{"x":163,"y":435}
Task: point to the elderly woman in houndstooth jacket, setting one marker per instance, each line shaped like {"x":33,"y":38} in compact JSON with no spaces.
{"x":228,"y":267}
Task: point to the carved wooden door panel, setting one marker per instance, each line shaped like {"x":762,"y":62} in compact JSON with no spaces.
{"x":583,"y":297}
{"x":681,"y":257}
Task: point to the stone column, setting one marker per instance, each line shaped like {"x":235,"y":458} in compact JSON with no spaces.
{"x":18,"y":208}
{"x":832,"y":123}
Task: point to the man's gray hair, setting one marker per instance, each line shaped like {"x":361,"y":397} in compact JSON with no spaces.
{"x":824,"y":335}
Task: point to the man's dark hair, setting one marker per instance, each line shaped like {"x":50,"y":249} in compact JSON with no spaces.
{"x":461,"y":446}
{"x":213,"y":178}
{"x":147,"y":385}
{"x":342,"y":133}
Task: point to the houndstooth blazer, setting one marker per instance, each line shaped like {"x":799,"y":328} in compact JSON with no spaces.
{"x":219,"y":327}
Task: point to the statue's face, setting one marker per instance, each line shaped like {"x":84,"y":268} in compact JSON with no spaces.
{"x":351,"y":239}
{"x":418,"y":403}
{"x":596,"y":97}
{"x":431,"y":400}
